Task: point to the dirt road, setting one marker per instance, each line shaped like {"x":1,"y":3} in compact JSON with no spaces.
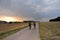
{"x":25,"y":34}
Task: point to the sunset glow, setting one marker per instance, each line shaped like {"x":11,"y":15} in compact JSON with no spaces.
{"x":12,"y":19}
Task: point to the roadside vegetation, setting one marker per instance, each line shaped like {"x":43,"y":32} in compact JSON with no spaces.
{"x":4,"y":33}
{"x":49,"y":30}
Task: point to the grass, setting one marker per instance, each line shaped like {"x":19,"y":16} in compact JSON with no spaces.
{"x":10,"y":32}
{"x":5,"y":34}
{"x":49,"y":30}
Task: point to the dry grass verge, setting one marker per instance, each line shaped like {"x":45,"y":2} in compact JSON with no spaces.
{"x":50,"y":30}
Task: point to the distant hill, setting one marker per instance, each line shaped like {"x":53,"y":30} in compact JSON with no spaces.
{"x":1,"y":22}
{"x":14,"y":22}
{"x":54,"y":20}
{"x":30,"y":21}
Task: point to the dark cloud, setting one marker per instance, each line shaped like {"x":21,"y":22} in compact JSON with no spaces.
{"x":33,"y":9}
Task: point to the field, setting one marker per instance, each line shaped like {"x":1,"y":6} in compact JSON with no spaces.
{"x":8,"y":29}
{"x":49,"y":30}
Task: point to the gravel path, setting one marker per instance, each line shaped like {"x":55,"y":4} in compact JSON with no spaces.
{"x":25,"y":34}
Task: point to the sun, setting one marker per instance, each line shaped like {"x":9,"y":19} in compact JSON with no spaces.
{"x":12,"y":19}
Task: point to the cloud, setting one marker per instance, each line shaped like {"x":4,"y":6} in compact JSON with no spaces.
{"x":6,"y":12}
{"x":30,"y":9}
{"x":45,"y":6}
{"x":49,"y":2}
{"x":44,"y":19}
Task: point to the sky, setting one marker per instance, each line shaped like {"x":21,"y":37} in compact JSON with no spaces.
{"x":37,"y":10}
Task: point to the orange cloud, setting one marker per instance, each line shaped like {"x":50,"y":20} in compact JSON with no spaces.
{"x":8,"y":19}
